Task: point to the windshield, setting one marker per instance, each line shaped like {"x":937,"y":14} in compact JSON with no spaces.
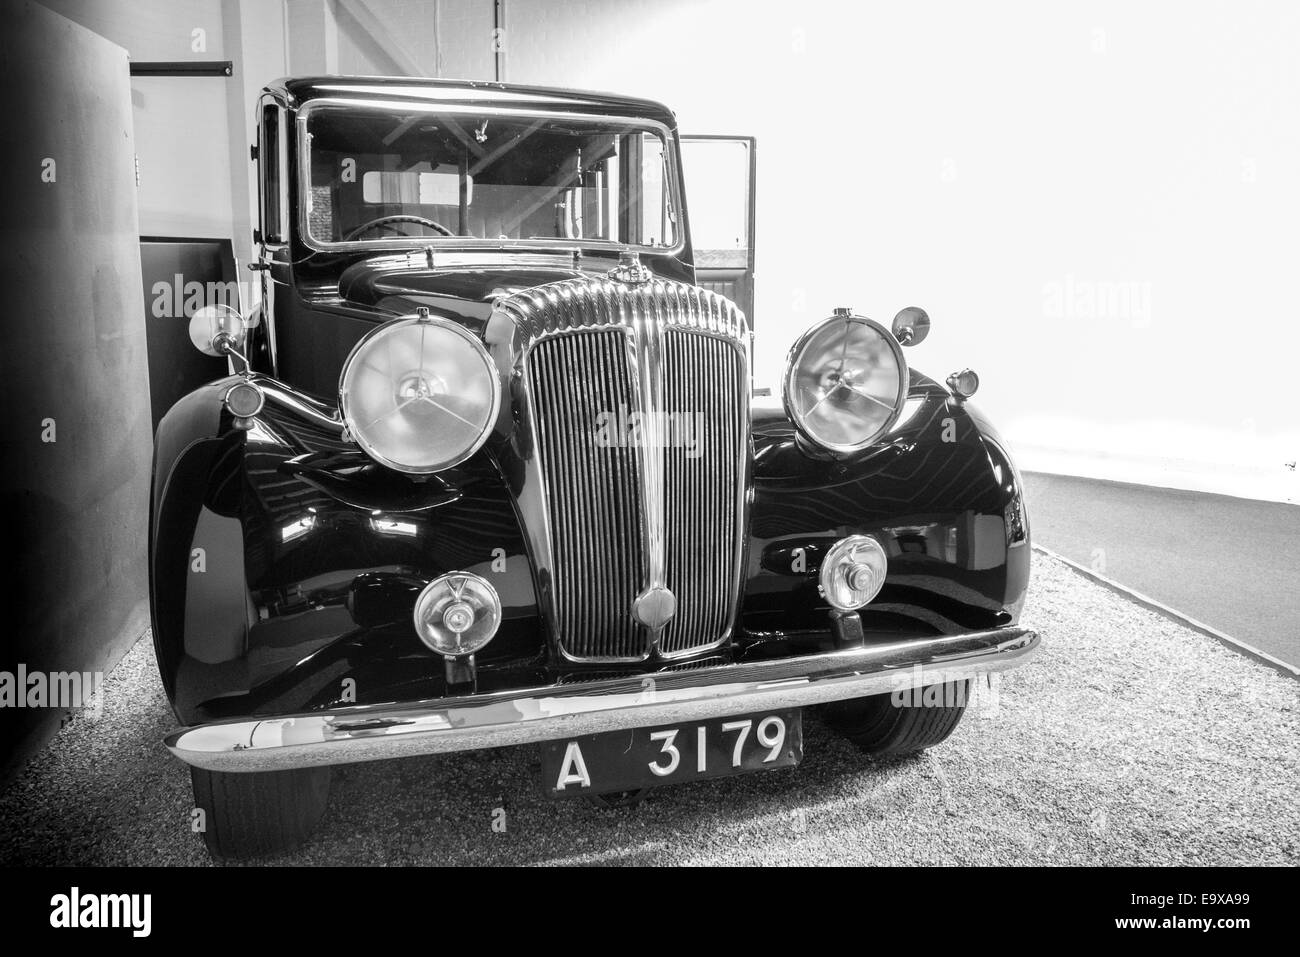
{"x":391,"y":176}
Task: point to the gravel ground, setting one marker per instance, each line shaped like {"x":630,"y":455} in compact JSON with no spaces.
{"x":1128,"y":740}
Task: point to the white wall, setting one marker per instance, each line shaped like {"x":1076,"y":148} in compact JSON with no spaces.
{"x":450,"y":38}
{"x":1008,"y":166}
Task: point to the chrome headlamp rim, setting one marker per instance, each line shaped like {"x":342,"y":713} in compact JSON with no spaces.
{"x":792,"y":365}
{"x":478,"y":348}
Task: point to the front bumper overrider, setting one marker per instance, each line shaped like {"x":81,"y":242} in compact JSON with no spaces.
{"x":376,"y":732}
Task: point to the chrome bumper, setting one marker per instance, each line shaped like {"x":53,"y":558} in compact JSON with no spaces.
{"x":376,"y":732}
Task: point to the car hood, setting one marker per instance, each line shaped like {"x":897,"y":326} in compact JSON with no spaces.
{"x":461,"y":292}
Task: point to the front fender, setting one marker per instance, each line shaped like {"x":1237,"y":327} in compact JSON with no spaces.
{"x":285,"y":563}
{"x":196,"y":558}
{"x":939,"y":492}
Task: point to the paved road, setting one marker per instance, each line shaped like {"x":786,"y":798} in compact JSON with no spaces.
{"x":1229,"y":562}
{"x":1102,"y":749}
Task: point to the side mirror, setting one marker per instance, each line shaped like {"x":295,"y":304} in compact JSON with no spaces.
{"x":218,"y":330}
{"x":911,"y":326}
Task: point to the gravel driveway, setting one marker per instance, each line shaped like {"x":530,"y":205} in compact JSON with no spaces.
{"x":1128,"y":740}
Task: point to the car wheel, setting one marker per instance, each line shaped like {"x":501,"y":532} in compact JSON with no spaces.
{"x":882,"y":727}
{"x":258,"y":813}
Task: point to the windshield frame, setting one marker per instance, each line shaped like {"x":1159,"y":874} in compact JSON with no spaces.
{"x":303,"y":184}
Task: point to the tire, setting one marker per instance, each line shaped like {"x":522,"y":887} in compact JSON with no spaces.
{"x":259,"y":813}
{"x":882,"y":728}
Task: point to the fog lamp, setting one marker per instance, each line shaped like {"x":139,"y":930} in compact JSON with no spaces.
{"x":457,"y":614}
{"x":964,"y":383}
{"x":853,"y":572}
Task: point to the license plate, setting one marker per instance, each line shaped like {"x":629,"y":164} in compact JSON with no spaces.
{"x":673,"y":754}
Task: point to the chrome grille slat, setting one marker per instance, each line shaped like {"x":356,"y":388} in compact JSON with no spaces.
{"x":612,"y":516}
{"x":593,"y":504}
{"x":700,"y":506}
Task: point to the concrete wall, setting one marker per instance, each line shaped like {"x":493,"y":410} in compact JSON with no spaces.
{"x":75,"y":452}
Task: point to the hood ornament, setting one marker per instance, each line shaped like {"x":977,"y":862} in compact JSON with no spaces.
{"x":630,"y":270}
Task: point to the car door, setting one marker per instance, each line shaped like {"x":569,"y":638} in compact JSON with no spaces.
{"x":720,"y":193}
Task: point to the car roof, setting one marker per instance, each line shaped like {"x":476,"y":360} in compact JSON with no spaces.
{"x":299,"y":90}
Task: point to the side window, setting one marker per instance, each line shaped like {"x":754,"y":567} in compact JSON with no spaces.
{"x":270,"y":153}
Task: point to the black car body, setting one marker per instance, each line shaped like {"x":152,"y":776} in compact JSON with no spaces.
{"x":636,"y":590}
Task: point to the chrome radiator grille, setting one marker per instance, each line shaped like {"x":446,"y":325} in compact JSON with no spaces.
{"x":631,"y":511}
{"x":704,"y":377}
{"x":594,"y":493}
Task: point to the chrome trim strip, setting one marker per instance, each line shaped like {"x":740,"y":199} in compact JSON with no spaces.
{"x":285,"y":397}
{"x":647,"y":323}
{"x":378,"y":732}
{"x":506,"y":256}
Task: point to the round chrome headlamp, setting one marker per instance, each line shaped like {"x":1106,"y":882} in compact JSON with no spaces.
{"x":845,"y":382}
{"x":419,"y":395}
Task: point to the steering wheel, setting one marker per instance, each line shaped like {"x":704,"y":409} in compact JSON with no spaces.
{"x":386,"y":222}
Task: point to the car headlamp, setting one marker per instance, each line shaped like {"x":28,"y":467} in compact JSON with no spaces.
{"x":419,"y":394}
{"x":845,"y":382}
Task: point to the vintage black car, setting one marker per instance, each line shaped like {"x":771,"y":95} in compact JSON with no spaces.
{"x":488,"y":470}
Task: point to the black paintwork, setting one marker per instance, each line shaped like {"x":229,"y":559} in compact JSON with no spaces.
{"x":312,"y":555}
